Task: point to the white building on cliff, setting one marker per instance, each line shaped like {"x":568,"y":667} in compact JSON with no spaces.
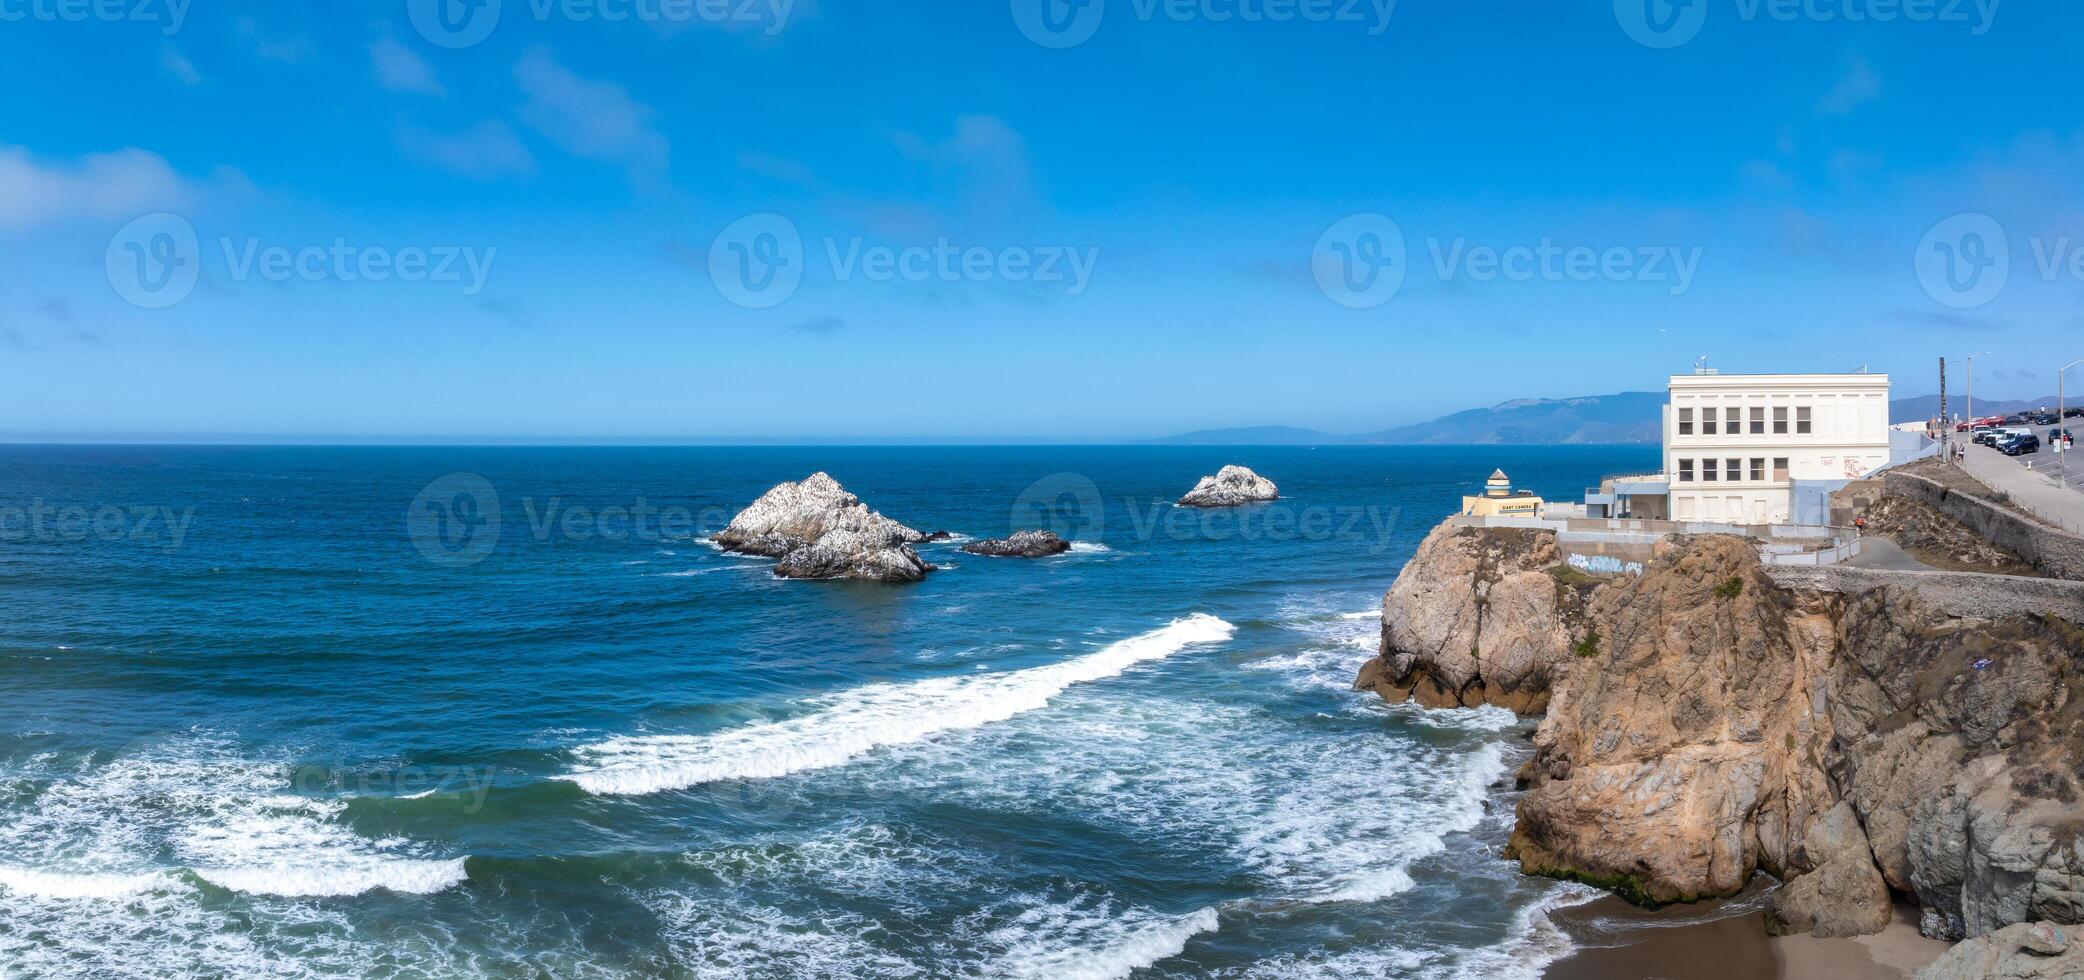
{"x":1758,"y":449}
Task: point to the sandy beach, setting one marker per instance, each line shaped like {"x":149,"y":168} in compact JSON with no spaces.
{"x":1726,"y":940}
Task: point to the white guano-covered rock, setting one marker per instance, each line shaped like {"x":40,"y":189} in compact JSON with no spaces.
{"x":818,"y":530}
{"x":1232,"y":486}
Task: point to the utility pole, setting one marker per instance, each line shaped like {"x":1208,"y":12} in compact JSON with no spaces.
{"x":1946,"y":429}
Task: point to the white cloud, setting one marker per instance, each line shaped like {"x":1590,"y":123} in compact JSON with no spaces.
{"x":124,"y":183}
{"x":179,"y":66}
{"x":1858,"y":86}
{"x":989,"y":158}
{"x":591,"y":119}
{"x":401,"y":69}
{"x":486,"y":151}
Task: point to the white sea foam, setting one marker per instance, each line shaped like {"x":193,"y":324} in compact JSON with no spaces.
{"x":851,"y":724}
{"x":1536,"y":941}
{"x":229,"y":819}
{"x":62,"y":885}
{"x":101,"y":859}
{"x":1124,"y":944}
{"x":1363,"y":614}
{"x":735,"y":926}
{"x":1089,"y":548}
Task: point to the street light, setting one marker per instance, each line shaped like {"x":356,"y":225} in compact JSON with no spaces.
{"x":2062,"y":422}
{"x":1971,"y":386}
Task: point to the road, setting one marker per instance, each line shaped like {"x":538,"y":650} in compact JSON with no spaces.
{"x":1879,"y":552}
{"x":2037,"y":489}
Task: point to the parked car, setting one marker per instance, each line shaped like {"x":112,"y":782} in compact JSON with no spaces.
{"x":1983,"y":436}
{"x":2046,"y":418}
{"x":2021,"y":446}
{"x":2073,"y":413}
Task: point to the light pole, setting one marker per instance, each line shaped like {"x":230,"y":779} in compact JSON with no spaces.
{"x":1971,"y":386}
{"x":2062,"y":424}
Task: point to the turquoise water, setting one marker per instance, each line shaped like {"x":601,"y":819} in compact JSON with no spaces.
{"x":310,"y":711}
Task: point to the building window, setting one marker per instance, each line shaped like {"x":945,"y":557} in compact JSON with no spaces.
{"x":1686,"y":471}
{"x":1707,"y":471}
{"x":1780,"y":420}
{"x":1802,"y":420}
{"x":1758,"y":421}
{"x":1707,"y":421}
{"x":1685,"y":421}
{"x":1735,"y":470}
{"x":1758,"y":469}
{"x":1779,"y":469}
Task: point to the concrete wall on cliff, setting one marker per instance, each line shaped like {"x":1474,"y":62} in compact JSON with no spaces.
{"x":2051,"y":550}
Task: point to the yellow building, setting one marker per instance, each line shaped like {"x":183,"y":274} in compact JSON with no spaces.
{"x":1499,"y":500}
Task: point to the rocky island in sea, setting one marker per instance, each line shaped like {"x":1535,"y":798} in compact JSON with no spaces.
{"x":1865,"y":736}
{"x":1232,"y":486}
{"x":818,"y":530}
{"x":1021,"y":544}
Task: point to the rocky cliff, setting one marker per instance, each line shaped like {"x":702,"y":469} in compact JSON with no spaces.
{"x":1704,"y":723}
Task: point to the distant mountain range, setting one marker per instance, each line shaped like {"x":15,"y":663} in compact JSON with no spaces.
{"x":1627,"y":417}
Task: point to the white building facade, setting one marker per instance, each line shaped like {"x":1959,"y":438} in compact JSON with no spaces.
{"x":1735,"y":445}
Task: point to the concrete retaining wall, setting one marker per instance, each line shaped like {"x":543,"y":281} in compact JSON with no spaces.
{"x":1956,"y":593}
{"x":2049,"y":550}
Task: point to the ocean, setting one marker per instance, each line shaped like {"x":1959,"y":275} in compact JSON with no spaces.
{"x":503,"y":712}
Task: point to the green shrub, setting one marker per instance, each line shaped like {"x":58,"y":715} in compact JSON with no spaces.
{"x":1587,"y":647}
{"x":1730,"y":589}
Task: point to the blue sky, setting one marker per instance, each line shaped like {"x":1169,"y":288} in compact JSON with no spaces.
{"x":569,"y":192}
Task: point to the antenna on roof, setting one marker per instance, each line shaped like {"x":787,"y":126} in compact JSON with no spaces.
{"x":1700,"y":365}
{"x":1862,"y":370}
